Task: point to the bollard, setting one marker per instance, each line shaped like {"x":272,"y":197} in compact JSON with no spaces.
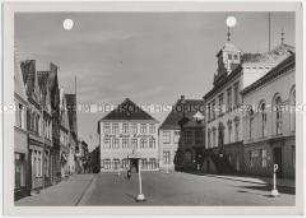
{"x":140,"y":196}
{"x":274,"y":191}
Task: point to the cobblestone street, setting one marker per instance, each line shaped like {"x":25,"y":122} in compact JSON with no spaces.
{"x":159,"y":188}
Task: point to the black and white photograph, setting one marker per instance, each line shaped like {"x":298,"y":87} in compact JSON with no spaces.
{"x":154,"y":108}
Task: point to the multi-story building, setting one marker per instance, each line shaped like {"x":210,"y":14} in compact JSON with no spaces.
{"x":170,"y":131}
{"x":36,"y":139}
{"x":64,"y":135}
{"x":125,"y":131}
{"x":71,"y":102}
{"x":269,"y":124}
{"x":46,"y":125}
{"x":22,"y":162}
{"x":236,"y":71}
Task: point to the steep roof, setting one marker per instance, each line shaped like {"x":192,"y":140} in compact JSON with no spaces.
{"x":273,"y":57}
{"x":18,"y":78}
{"x":191,"y":106}
{"x":128,"y":110}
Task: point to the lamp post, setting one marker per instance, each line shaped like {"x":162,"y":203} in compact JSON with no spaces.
{"x":140,"y":196}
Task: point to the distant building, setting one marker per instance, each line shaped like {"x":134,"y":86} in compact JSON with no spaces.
{"x":269,"y":123}
{"x":191,"y":146}
{"x":71,"y":105}
{"x":170,"y":130}
{"x":94,"y":160}
{"x":21,"y":152}
{"x":125,"y":131}
{"x":64,"y":135}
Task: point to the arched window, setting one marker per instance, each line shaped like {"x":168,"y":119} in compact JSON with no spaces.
{"x":292,"y":100}
{"x":230,"y":130}
{"x":278,"y":114}
{"x":251,"y":115}
{"x":221,"y":135}
{"x":263,"y":118}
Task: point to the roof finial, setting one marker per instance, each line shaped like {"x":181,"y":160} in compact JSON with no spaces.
{"x":230,"y":22}
{"x":228,"y":34}
{"x":282,"y":36}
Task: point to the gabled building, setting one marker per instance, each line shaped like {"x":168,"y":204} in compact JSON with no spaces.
{"x":170,"y":130}
{"x":64,"y":135}
{"x":125,"y":131}
{"x":21,"y":153}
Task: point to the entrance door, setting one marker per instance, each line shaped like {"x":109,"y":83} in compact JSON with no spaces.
{"x":278,"y":159}
{"x":134,"y":165}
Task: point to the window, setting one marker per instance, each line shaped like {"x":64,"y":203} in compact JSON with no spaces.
{"x":209,"y":137}
{"x":152,"y":163}
{"x":235,"y":57}
{"x":19,"y":170}
{"x":251,"y":127}
{"x":106,"y":128}
{"x":213,"y":108}
{"x":125,"y":163}
{"x":107,"y":143}
{"x":152,"y":129}
{"x":209,"y":112}
{"x":143,"y":143}
{"x":116,"y":164}
{"x":20,"y":116}
{"x":214,"y":137}
{"x":115,"y":128}
{"x":115,"y":144}
{"x":236,"y":130}
{"x":176,"y":136}
{"x":292,"y":109}
{"x":124,"y":143}
{"x":166,"y":137}
{"x":106,"y":163}
{"x":198,"y":137}
{"x":134,"y":144}
{"x":278,"y":115}
{"x":125,"y":128}
{"x":188,"y":137}
{"x":143,"y":128}
{"x":236,"y":93}
{"x":229,"y":99}
{"x":263,"y":157}
{"x":134,"y":128}
{"x":220,"y":104}
{"x":166,"y":157}
{"x":263,"y":118}
{"x":230,"y":56}
{"x":152,"y":143}
{"x":230,"y":131}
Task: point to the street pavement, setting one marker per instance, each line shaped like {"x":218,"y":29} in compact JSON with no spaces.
{"x":159,"y":188}
{"x":66,"y":193}
{"x":181,"y":189}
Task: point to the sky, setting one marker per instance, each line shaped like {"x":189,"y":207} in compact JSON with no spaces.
{"x":151,"y":58}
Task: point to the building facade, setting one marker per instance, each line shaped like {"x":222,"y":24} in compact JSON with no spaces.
{"x":21,"y":161}
{"x":270,"y":122}
{"x":125,"y":131}
{"x":225,"y":104}
{"x":191,"y":146}
{"x":169,"y":132}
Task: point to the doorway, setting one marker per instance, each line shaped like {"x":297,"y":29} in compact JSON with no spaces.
{"x":134,"y":165}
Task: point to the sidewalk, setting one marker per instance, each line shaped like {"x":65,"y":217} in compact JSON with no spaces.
{"x":290,"y":183}
{"x":66,"y":193}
